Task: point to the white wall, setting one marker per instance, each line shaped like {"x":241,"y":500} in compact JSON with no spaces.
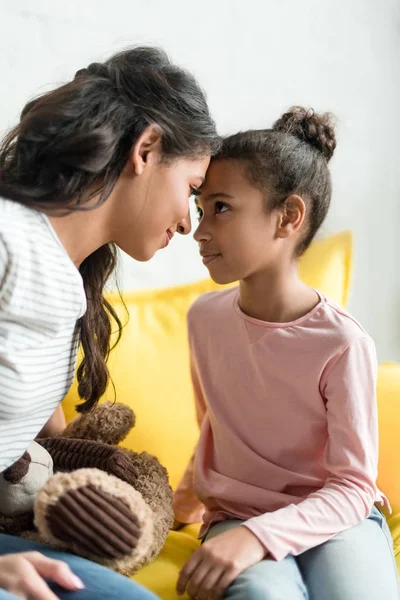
{"x":255,"y":58}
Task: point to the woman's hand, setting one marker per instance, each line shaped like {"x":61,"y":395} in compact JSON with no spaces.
{"x":177,"y":525}
{"x":218,"y":562}
{"x":23,"y":575}
{"x":55,"y":425}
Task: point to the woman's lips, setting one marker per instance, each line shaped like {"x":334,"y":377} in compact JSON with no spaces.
{"x":168,"y":237}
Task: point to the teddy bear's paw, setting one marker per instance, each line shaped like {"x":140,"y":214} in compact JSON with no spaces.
{"x":96,"y":522}
{"x":95,"y":515}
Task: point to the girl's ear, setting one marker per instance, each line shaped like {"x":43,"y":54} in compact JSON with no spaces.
{"x":292,"y":216}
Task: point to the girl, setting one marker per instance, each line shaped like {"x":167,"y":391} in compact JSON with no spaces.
{"x":284,"y":380}
{"x":109,"y":159}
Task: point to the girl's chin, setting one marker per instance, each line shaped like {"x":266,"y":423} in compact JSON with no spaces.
{"x":221,"y":278}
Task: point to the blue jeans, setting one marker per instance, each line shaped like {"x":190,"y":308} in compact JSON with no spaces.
{"x":357,"y":564}
{"x":101,"y":583}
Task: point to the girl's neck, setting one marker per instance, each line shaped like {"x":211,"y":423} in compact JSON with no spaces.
{"x":277,"y":296}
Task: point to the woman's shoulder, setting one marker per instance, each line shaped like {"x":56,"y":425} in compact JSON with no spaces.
{"x":17,"y":214}
{"x":19,"y":225}
{"x":15,"y":229}
{"x":36,"y":274}
{"x":29,"y":242}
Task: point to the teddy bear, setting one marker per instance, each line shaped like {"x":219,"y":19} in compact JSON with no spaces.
{"x":79,"y":491}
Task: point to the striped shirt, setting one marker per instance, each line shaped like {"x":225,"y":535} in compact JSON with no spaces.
{"x":41,"y":299}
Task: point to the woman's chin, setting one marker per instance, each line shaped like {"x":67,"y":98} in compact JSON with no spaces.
{"x":140,"y":254}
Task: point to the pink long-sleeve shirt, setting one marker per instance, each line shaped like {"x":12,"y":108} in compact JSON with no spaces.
{"x":288,"y":424}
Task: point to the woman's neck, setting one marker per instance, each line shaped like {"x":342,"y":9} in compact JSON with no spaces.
{"x":82,"y":232}
{"x":277,"y":297}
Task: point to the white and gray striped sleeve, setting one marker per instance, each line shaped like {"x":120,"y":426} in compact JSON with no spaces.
{"x":3,"y":263}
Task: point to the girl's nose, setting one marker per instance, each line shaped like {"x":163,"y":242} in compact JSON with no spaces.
{"x":201,"y":234}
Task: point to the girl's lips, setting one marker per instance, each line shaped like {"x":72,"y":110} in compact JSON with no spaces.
{"x":208,"y":258}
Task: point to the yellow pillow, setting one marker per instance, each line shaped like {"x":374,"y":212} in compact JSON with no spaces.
{"x":389,"y":436}
{"x":150,"y":366}
{"x":327,"y":266}
{"x":161,"y":576}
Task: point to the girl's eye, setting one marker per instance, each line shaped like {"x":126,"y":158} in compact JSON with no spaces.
{"x":199,"y":213}
{"x":220,"y":208}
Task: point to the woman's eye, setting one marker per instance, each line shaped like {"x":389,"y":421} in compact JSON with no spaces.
{"x":199,"y":213}
{"x":220,"y":207}
{"x":194,"y":191}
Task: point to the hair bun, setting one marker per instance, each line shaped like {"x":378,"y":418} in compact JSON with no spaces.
{"x":316,"y":129}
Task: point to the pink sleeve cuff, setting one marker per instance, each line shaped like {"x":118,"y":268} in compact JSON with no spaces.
{"x":274,"y":549}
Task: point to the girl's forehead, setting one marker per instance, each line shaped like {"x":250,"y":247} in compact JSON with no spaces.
{"x":229,"y":173}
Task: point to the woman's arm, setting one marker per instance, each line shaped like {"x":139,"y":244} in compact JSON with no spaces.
{"x":55,"y":425}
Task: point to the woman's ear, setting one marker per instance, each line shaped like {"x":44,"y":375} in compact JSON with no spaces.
{"x":292,"y":215}
{"x":147,"y":146}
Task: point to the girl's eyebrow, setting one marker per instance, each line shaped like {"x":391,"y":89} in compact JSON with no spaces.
{"x":211,"y":197}
{"x":217,"y":195}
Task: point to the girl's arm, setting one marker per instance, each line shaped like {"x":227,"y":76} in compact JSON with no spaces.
{"x":56,"y":424}
{"x":351,"y":458}
{"x":187,"y":507}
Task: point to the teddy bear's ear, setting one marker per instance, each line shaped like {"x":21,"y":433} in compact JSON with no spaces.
{"x":107,"y":422}
{"x":20,"y":483}
{"x":18,"y":470}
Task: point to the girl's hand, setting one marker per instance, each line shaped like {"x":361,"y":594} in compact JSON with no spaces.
{"x":23,"y":575}
{"x":218,"y":562}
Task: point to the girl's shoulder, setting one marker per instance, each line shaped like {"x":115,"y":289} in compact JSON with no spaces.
{"x":212,"y":303}
{"x":337,"y":328}
{"x":341,"y":319}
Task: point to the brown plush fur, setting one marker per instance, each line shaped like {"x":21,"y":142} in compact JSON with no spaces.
{"x":109,"y":423}
{"x":16,"y":525}
{"x":150,"y":499}
{"x":152,"y":483}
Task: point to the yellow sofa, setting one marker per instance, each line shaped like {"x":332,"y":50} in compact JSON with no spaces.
{"x":150,"y":372}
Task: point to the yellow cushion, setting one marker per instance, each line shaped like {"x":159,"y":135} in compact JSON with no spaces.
{"x":151,"y":373}
{"x":389,"y":436}
{"x":161,"y":576}
{"x":327,"y":266}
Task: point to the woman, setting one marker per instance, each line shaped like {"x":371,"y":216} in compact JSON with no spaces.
{"x":109,"y":159}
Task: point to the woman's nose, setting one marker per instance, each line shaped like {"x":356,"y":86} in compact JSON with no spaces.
{"x":185,"y":226}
